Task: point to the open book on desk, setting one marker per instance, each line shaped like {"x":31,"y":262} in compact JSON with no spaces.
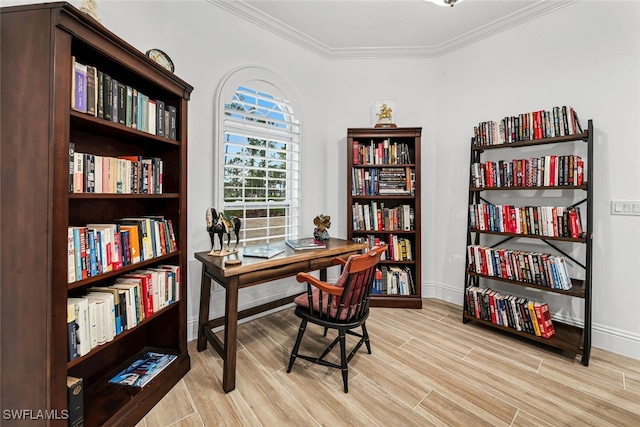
{"x":305,"y":243}
{"x":261,"y":251}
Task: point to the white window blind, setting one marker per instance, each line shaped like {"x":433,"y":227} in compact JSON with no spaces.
{"x":261,"y":165}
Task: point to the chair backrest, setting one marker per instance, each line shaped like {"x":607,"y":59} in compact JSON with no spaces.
{"x":361,"y":272}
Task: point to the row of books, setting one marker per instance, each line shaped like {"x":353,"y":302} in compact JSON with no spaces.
{"x":95,"y":249}
{"x":393,"y":280}
{"x":399,"y":248}
{"x":518,"y":313}
{"x":99,"y":94}
{"x":98,"y":316}
{"x":559,"y":121}
{"x":374,"y":216}
{"x":91,"y":173}
{"x":546,"y":221}
{"x":382,"y":181}
{"x":371,"y":241}
{"x":528,"y":267}
{"x":382,"y":152}
{"x":546,"y":171}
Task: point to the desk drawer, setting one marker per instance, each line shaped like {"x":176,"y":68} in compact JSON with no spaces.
{"x":317,"y":264}
{"x":288,"y":270}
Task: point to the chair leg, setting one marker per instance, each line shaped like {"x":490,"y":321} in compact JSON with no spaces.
{"x":294,"y":352}
{"x":325,"y":331}
{"x":365,"y":337}
{"x":343,"y":360}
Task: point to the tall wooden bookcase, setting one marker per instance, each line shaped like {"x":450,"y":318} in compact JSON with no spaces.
{"x":38,"y":43}
{"x":383,"y":202}
{"x":493,"y":180}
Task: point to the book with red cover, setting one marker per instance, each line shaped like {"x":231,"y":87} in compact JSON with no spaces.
{"x":147,"y":290}
{"x":543,"y":316}
{"x":356,"y":153}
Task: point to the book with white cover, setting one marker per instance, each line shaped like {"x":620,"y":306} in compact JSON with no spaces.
{"x":82,"y":319}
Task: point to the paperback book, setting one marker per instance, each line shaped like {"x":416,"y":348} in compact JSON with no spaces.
{"x":305,"y":243}
{"x":262,"y":251}
{"x":143,"y":370}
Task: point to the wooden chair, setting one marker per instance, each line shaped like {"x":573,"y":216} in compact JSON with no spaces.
{"x":343,"y":306}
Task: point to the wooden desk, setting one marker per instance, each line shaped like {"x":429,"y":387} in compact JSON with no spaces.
{"x":251,"y":272}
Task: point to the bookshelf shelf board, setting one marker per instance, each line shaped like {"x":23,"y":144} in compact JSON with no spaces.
{"x":115,"y":273}
{"x":77,"y":196}
{"x":383,"y":197}
{"x":567,"y":336}
{"x":396,"y":301}
{"x":558,"y":139}
{"x":555,"y":187}
{"x":392,"y":262}
{"x":85,"y":122}
{"x":384,"y":232}
{"x":385,"y":165}
{"x":577,"y":288}
{"x":532,"y":236}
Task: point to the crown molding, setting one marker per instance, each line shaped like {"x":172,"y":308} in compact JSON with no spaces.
{"x":279,"y":28}
{"x":515,"y":19}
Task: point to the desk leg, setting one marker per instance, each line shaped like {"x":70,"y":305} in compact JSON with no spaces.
{"x":323,"y":274}
{"x":230,"y":336}
{"x":203,"y":317}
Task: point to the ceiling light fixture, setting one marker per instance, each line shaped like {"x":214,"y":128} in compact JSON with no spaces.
{"x":444,"y":2}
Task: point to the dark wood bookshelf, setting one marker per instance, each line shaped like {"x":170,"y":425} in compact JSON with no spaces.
{"x":412,"y":138}
{"x":568,"y":338}
{"x":38,"y":42}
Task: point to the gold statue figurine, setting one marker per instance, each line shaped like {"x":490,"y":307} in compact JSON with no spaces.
{"x":385,"y":118}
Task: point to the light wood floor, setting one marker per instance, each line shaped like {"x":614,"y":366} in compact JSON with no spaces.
{"x":426,"y":368}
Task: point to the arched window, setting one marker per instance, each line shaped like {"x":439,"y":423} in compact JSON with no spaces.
{"x":258,"y":159}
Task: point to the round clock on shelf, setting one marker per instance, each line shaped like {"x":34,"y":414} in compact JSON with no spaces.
{"x":161,"y":58}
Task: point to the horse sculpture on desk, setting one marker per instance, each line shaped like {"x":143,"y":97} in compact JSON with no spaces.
{"x":218,"y":224}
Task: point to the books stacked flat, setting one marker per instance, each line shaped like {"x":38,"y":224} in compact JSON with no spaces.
{"x":305,"y":243}
{"x":144,"y":369}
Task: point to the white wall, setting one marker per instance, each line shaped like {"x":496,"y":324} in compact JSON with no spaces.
{"x":206,"y":43}
{"x":586,"y":55}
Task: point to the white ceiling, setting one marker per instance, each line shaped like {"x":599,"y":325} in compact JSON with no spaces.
{"x":386,"y":28}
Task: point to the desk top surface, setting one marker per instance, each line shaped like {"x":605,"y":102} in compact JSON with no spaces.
{"x":335,"y":247}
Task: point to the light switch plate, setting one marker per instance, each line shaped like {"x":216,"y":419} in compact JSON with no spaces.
{"x":625,"y":207}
